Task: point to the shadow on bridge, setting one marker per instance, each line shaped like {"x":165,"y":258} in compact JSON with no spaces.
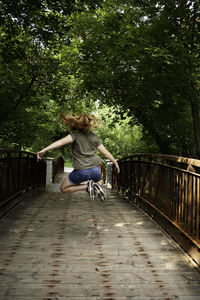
{"x":56,"y":246}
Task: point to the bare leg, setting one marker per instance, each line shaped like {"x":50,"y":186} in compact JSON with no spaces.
{"x":67,"y":187}
{"x":101,"y":182}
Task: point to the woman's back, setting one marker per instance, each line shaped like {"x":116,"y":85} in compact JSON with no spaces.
{"x":83,"y":149}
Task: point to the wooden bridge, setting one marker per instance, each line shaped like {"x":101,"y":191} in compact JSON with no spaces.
{"x":56,"y":246}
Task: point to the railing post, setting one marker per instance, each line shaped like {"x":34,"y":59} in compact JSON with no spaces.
{"x":49,"y":170}
{"x":19,"y":170}
{"x":138,"y":190}
{"x":109,"y":165}
{"x":8,"y":172}
{"x":27,"y":172}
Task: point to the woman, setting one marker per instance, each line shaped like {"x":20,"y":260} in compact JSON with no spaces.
{"x":85,"y":160}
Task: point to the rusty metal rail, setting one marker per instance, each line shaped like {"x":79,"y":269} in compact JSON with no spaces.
{"x":169,"y":184}
{"x":19,"y":170}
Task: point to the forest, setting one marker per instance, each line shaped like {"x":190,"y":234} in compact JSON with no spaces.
{"x":134,"y":64}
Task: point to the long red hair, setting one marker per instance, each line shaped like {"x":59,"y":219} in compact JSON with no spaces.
{"x":84,"y":122}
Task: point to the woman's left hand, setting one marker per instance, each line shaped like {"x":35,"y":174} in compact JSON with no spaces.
{"x":40,"y":155}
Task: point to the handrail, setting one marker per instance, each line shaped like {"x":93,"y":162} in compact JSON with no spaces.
{"x":170,"y":184}
{"x":19,"y":171}
{"x":165,"y":157}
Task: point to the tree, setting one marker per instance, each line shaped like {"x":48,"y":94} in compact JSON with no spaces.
{"x":141,"y":56}
{"x":35,"y":84}
{"x":138,"y":55}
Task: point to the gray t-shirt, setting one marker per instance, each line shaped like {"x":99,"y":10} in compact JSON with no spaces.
{"x":83,"y":149}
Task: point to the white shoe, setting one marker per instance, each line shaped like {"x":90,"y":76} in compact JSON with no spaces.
{"x":90,"y":189}
{"x":98,"y":189}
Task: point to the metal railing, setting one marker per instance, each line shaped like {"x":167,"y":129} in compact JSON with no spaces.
{"x":169,"y":184}
{"x":58,"y":167}
{"x":19,"y":171}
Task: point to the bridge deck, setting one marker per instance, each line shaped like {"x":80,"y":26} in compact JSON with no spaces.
{"x":56,"y":246}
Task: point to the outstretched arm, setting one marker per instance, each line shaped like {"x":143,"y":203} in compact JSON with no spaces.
{"x":66,"y":140}
{"x":108,"y":155}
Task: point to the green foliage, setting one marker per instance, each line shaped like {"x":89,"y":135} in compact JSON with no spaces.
{"x":37,"y":81}
{"x":144,"y":56}
{"x":120,"y":134}
{"x":140,"y":58}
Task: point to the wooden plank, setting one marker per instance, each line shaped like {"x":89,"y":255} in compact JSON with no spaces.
{"x":99,"y":290}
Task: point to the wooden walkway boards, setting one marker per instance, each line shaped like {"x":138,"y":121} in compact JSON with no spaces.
{"x":56,"y":246}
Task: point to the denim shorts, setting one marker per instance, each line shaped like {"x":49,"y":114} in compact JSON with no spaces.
{"x":78,"y":176}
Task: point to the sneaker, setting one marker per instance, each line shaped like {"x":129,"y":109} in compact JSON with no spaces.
{"x":90,"y":189}
{"x":98,"y":189}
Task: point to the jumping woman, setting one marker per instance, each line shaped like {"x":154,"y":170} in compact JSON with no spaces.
{"x":85,"y":160}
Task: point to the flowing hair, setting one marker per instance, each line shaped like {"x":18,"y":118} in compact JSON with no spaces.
{"x":83,"y":122}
